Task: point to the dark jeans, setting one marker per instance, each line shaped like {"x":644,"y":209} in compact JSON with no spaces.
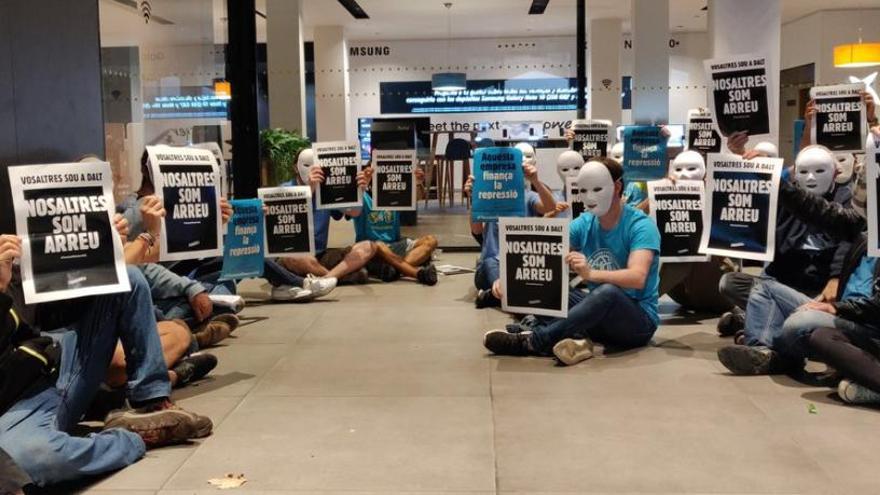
{"x":605,"y":315}
{"x":488,"y":271}
{"x":736,"y":287}
{"x":853,"y":351}
{"x":278,"y":275}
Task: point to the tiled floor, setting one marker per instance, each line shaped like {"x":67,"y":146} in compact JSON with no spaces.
{"x":387,"y":389}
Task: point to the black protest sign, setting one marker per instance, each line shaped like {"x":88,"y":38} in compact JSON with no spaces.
{"x":394,"y":182}
{"x":341,"y":162}
{"x":592,"y":138}
{"x":534,"y":275}
{"x":677,"y":209}
{"x":739,"y":99}
{"x":702,"y":136}
{"x":188,"y":182}
{"x":575,"y":197}
{"x":63,"y":213}
{"x":839,"y":122}
{"x":289,"y":229}
{"x":741,"y":199}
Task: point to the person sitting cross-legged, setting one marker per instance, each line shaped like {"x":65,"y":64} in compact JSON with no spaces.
{"x":615,"y":250}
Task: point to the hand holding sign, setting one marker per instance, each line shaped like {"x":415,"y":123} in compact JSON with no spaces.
{"x":339,"y":184}
{"x":578,"y":263}
{"x":152,"y":213}
{"x":10,"y":250}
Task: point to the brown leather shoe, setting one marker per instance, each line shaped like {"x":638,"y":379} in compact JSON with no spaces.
{"x":215,"y":330}
{"x":161,"y":424}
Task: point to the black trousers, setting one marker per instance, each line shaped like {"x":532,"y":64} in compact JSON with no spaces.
{"x":854,"y":353}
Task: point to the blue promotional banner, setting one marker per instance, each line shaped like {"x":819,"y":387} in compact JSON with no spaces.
{"x":499,"y":184}
{"x":644,"y":153}
{"x":243,"y":249}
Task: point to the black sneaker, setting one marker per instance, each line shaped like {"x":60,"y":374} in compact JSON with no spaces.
{"x":388,"y":273}
{"x":746,"y":360}
{"x":194,"y":367}
{"x":508,"y":344}
{"x":731,"y":322}
{"x":427,"y":275}
{"x":357,"y":277}
{"x":485,"y":299}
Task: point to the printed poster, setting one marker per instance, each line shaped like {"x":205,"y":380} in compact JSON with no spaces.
{"x":741,"y":199}
{"x":677,"y":209}
{"x":534,"y":274}
{"x":839,"y":122}
{"x":188,"y":183}
{"x":290,"y":225}
{"x":64,"y":216}
{"x":872,"y":177}
{"x":592,"y":138}
{"x":644,"y":153}
{"x":341,"y":163}
{"x":575,"y":197}
{"x":738,"y":95}
{"x":243,"y":249}
{"x":499,"y":184}
{"x":394,"y":180}
{"x":701,"y":134}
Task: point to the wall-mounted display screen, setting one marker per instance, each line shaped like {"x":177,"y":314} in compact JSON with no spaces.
{"x":187,"y":102}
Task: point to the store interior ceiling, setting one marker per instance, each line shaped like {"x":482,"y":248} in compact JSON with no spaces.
{"x":203,"y":21}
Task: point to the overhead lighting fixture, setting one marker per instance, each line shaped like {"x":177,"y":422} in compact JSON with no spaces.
{"x":538,"y":7}
{"x":856,"y":55}
{"x":354,"y":9}
{"x":449,"y":81}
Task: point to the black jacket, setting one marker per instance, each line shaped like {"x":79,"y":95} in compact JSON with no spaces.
{"x":845,"y":224}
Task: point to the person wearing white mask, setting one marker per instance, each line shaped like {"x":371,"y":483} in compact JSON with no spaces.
{"x":568,"y":164}
{"x":344,"y":264}
{"x":615,"y":251}
{"x":845,"y":162}
{"x":528,"y":152}
{"x":634,"y":192}
{"x":688,"y":165}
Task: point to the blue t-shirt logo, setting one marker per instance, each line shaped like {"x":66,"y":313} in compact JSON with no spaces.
{"x":603,"y":259}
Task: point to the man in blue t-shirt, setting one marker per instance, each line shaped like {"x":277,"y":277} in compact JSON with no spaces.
{"x":615,"y":251}
{"x":538,"y":202}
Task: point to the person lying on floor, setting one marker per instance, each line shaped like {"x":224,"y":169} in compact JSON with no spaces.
{"x":35,"y":430}
{"x":806,"y":259}
{"x":347,"y":265}
{"x":615,"y":251}
{"x":539,"y":202}
{"x":789,"y":332}
{"x":396,"y":256}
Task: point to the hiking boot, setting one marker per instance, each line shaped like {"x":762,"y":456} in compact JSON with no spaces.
{"x":485,"y":299}
{"x":215,"y":330}
{"x":427,"y":275}
{"x":161,"y":423}
{"x":508,"y":344}
{"x":291,"y":293}
{"x":751,"y":360}
{"x":193,"y":367}
{"x":731,"y":322}
{"x":356,"y":277}
{"x":319,"y":286}
{"x":853,"y":393}
{"x":573,"y":351}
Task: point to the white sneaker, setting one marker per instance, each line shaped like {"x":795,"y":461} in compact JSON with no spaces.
{"x":853,"y":393}
{"x":232,"y":301}
{"x":320,"y":286}
{"x":573,"y":351}
{"x":291,"y":293}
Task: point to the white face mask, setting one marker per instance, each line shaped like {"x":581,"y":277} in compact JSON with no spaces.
{"x":768,"y":149}
{"x":617,"y":152}
{"x":814,"y":170}
{"x":569,"y":164}
{"x":303,"y":163}
{"x":597,"y":187}
{"x":844,"y":164}
{"x":528,"y":153}
{"x":688,"y":165}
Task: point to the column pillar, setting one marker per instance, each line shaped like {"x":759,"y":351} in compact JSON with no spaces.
{"x":603,"y":77}
{"x":286,"y":65}
{"x":650,"y":38}
{"x":332,"y":103}
{"x":750,"y":26}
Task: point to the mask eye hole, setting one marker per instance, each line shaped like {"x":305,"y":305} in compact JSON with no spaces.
{"x":692,"y":169}
{"x":597,"y":189}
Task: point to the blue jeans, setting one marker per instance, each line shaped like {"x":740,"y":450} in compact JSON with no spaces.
{"x":794,"y":339}
{"x":488,"y":271}
{"x":34,"y":431}
{"x":278,"y":275}
{"x":605,"y":315}
{"x":769,"y":304}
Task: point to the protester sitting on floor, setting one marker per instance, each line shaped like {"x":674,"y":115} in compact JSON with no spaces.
{"x":615,"y":251}
{"x":781,"y":321}
{"x":807,"y":260}
{"x":344,"y":264}
{"x":396,"y":256}
{"x":538,"y":202}
{"x":568,"y":164}
{"x":34,"y":432}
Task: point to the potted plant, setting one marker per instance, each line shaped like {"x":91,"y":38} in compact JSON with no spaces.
{"x":280,"y":148}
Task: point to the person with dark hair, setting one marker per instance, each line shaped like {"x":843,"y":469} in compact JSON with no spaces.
{"x":615,"y":251}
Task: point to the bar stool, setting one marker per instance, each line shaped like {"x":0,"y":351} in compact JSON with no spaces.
{"x":456,"y":150}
